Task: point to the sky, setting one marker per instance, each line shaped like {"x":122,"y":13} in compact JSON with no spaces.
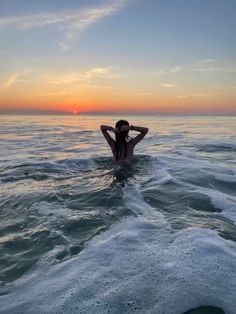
{"x":138,"y":56}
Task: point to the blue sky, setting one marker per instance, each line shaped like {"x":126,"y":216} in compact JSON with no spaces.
{"x":179,"y":52}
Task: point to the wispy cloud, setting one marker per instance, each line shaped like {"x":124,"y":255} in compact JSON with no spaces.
{"x":9,"y":81}
{"x":78,"y":20}
{"x":88,"y":76}
{"x":169,"y":71}
{"x":71,"y":22}
{"x":167,"y":85}
{"x":213,"y":65}
{"x":216,"y":69}
{"x":64,"y":46}
{"x":176,"y":69}
{"x":207,"y":61}
{"x":16,"y":77}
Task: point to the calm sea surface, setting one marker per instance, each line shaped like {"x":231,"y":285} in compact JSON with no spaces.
{"x":79,"y":234}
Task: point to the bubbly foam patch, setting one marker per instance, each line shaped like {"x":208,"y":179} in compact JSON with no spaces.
{"x":135,"y":267}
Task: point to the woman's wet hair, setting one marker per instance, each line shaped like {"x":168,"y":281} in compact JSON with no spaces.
{"x":121,"y":139}
{"x":121,"y":122}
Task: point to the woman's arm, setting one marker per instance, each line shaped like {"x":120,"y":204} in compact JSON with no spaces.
{"x":143,"y":131}
{"x":109,"y":139}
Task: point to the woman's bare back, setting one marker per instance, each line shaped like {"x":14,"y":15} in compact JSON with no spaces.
{"x":125,"y":147}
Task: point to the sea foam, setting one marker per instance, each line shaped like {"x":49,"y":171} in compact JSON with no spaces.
{"x":135,"y":267}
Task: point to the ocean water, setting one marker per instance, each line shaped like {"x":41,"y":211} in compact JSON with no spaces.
{"x":79,"y":234}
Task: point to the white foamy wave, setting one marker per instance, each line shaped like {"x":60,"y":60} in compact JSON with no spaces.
{"x":226,"y":177}
{"x":160,"y":173}
{"x":188,"y":159}
{"x":133,"y":268}
{"x":134,"y":200}
{"x":222,"y":201}
{"x":162,"y":176}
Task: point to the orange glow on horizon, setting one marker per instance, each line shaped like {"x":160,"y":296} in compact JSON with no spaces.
{"x":114,"y":101}
{"x":159,"y":107}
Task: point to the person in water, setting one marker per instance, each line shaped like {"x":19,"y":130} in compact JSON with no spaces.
{"x":123,"y":146}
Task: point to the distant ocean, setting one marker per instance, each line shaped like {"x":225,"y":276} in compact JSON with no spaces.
{"x":79,"y":234}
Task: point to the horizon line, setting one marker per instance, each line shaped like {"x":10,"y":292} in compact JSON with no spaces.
{"x":61,"y":113}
